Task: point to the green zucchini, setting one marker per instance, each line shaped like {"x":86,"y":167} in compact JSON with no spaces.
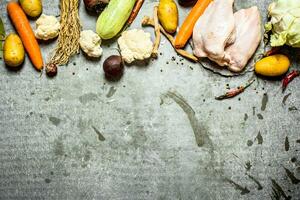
{"x":113,"y":18}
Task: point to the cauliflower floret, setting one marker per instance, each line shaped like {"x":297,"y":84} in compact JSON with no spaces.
{"x":135,"y":45}
{"x":47,"y":27}
{"x":90,"y":43}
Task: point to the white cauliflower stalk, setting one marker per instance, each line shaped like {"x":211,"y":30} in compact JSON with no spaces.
{"x":135,"y":45}
{"x":47,"y":27}
{"x":90,"y":43}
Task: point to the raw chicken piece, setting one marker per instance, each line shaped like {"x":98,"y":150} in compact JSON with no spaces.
{"x":198,"y":31}
{"x":248,"y":37}
{"x":214,"y":30}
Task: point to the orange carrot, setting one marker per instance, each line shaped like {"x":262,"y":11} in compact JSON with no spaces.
{"x":23,"y":28}
{"x":186,"y":29}
{"x":135,"y":11}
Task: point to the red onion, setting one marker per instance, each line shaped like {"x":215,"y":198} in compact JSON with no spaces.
{"x":95,"y":5}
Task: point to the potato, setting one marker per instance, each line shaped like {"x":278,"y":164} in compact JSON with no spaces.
{"x":13,"y":50}
{"x":168,"y":15}
{"x":32,"y":8}
{"x":272,"y":66}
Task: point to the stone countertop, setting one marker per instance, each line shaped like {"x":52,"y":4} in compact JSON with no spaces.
{"x":78,"y":136}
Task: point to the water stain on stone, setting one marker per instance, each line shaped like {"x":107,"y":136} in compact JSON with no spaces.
{"x":66,"y":174}
{"x":291,"y":176}
{"x":245,"y":117}
{"x":259,"y":116}
{"x":139,"y":137}
{"x":278,"y":192}
{"x":47,"y":99}
{"x":45,"y":134}
{"x":59,"y":147}
{"x":84,"y":99}
{"x":84,"y":165}
{"x":47,"y":180}
{"x":244,"y":190}
{"x":82,"y":125}
{"x":248,"y":166}
{"x":87,"y":156}
{"x":100,"y":136}
{"x":285,"y":98}
{"x":259,"y":186}
{"x":54,"y":120}
{"x":111,"y":92}
{"x":264,"y":102}
{"x":293,"y":108}
{"x":74,"y":165}
{"x":249,"y":143}
{"x":259,"y":138}
{"x":286,"y":144}
{"x":200,"y":133}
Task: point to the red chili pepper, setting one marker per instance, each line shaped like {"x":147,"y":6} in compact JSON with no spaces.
{"x":234,"y":92}
{"x":272,"y":51}
{"x":286,"y":80}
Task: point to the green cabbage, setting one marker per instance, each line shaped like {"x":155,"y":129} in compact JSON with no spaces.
{"x":285,"y":23}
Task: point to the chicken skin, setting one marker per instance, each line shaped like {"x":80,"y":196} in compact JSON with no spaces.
{"x":248,"y":37}
{"x":226,"y":38}
{"x":214,"y":30}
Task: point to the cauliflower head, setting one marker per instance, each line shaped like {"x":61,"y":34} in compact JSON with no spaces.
{"x":90,"y":43}
{"x":135,"y":44}
{"x":47,"y":27}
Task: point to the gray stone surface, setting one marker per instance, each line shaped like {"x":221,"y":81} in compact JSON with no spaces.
{"x":81,"y":137}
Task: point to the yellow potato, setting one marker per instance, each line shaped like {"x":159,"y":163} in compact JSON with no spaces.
{"x":13,"y":50}
{"x":272,"y":66}
{"x":168,"y":15}
{"x":33,"y":8}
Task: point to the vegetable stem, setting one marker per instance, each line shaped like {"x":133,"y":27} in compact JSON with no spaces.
{"x":157,"y":33}
{"x":147,"y":21}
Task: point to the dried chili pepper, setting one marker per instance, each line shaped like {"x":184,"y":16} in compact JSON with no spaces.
{"x":272,"y":51}
{"x":234,"y":92}
{"x":288,"y":78}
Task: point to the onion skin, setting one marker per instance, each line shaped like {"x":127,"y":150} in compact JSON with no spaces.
{"x":96,"y":6}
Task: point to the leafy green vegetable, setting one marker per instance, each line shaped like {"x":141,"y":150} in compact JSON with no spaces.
{"x":284,"y":23}
{"x":2,"y":36}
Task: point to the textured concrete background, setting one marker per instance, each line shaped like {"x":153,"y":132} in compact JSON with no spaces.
{"x":78,"y":136}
